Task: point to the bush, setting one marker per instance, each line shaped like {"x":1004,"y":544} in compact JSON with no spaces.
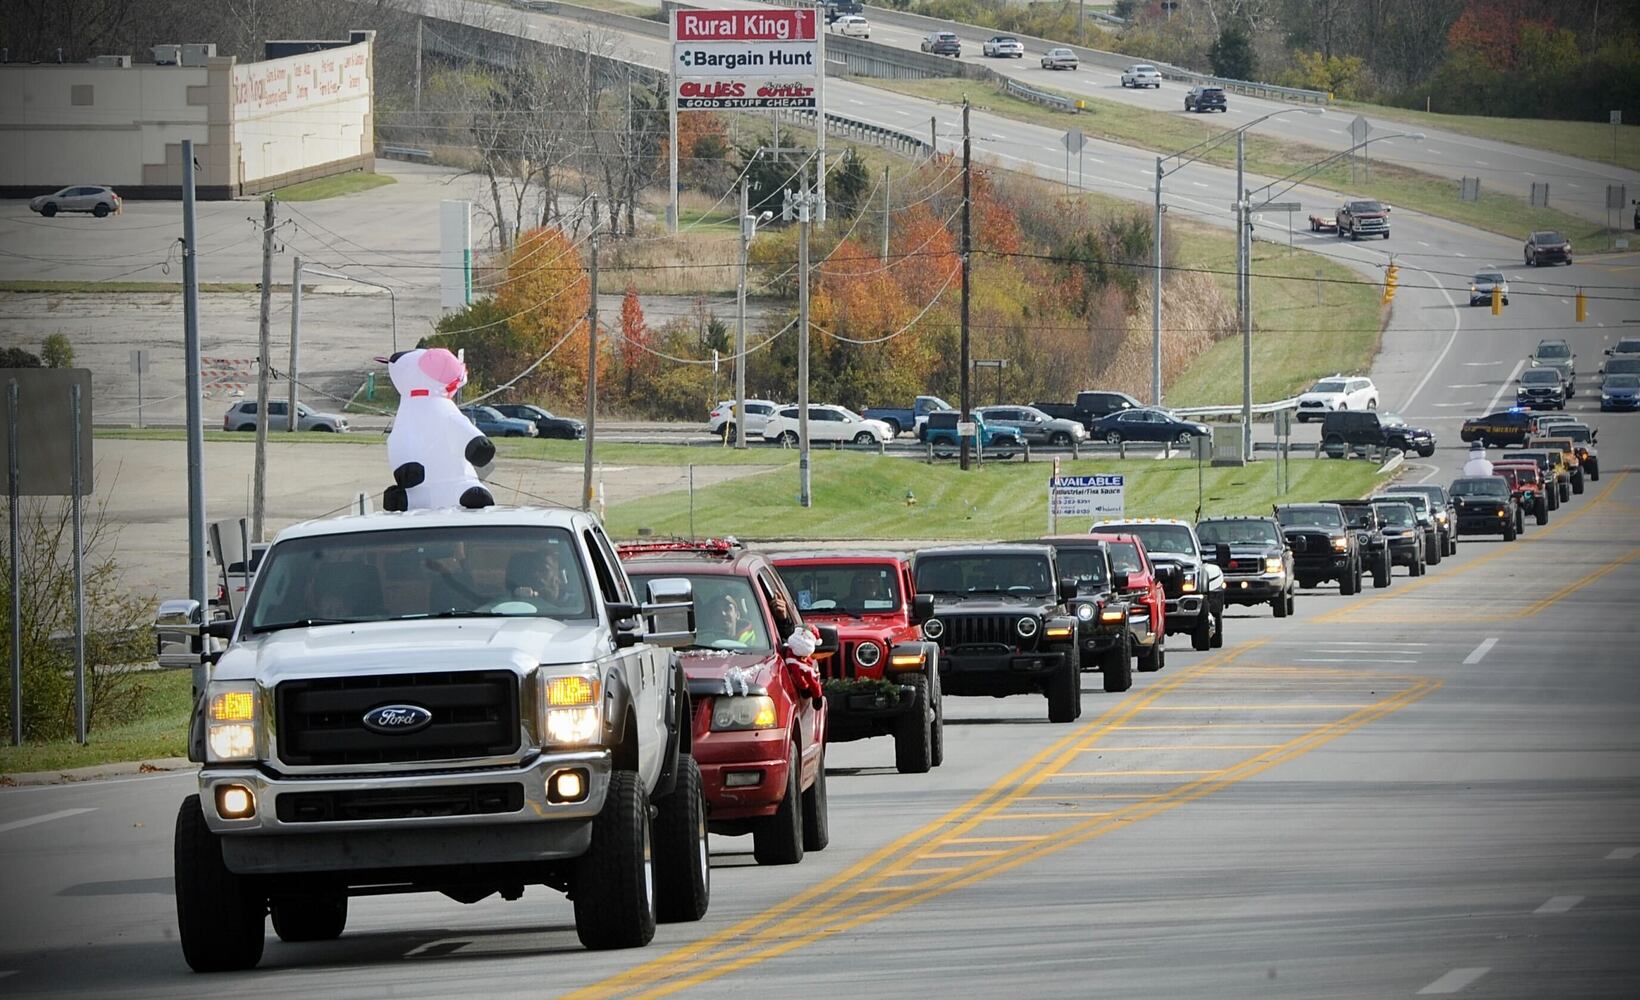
{"x":57,"y":352}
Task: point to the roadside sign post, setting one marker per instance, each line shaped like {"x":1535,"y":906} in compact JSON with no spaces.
{"x":1359,"y":130}
{"x":1073,"y":142}
{"x":1617,"y":119}
{"x":139,"y":367}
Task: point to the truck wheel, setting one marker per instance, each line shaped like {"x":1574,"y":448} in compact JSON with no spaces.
{"x":778,"y":840}
{"x":1432,"y":551}
{"x":317,"y":918}
{"x":816,"y":817}
{"x":1218,"y":630}
{"x":1153,"y":659}
{"x":936,"y":750}
{"x":1278,"y":604}
{"x":219,"y":914}
{"x":1577,"y":482}
{"x":1508,"y":531}
{"x":1350,"y":583}
{"x":1540,"y":508}
{"x":1333,"y":445}
{"x":914,"y":733}
{"x":1594,"y":471}
{"x":1117,"y":666}
{"x":613,"y":885}
{"x":1520,"y":521}
{"x":1065,"y":693}
{"x":1380,"y":573}
{"x":683,"y":879}
{"x":1201,"y":637}
{"x":1552,"y":494}
{"x":1565,"y":492}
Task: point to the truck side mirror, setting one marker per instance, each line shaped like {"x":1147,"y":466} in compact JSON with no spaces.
{"x":178,"y":631}
{"x":1119,"y":581}
{"x":922,"y":608}
{"x":1067,"y":588}
{"x":671,"y":612}
{"x":829,"y":642}
{"x":1221,"y":553}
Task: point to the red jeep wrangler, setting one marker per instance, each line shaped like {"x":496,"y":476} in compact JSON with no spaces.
{"x":1148,"y":608}
{"x":885,"y":679}
{"x":1526,"y":483}
{"x":759,"y":709}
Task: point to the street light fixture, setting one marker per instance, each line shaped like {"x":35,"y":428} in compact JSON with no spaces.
{"x":1185,"y":158}
{"x":392,"y":300}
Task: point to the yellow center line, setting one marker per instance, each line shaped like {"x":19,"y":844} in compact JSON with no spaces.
{"x":965,"y":854}
{"x":925,"y":871}
{"x":1112,"y":796}
{"x":1211,"y":726}
{"x":1063,"y":814}
{"x":1185,"y":746}
{"x":1130,"y":774}
{"x":1295,"y":706}
{"x":995,"y":840}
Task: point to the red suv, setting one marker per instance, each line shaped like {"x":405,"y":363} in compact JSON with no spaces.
{"x":884,"y":680}
{"x":1148,"y":605}
{"x":759,"y":710}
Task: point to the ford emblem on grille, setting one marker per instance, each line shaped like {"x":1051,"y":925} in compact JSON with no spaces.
{"x":397,"y":719}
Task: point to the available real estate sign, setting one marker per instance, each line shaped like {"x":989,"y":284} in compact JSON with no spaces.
{"x":746,"y":59}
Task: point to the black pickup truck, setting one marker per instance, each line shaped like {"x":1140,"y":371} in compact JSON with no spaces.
{"x":1090,"y":405}
{"x":1368,"y":524}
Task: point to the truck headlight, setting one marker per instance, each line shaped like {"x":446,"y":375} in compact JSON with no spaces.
{"x":569,"y":709}
{"x":1189,"y":585}
{"x":1273,"y":565}
{"x":1341,"y":544}
{"x":1084,"y":612}
{"x":743,"y":712}
{"x":231,"y":716}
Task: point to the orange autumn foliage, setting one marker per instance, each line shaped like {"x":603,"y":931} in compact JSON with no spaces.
{"x":546,"y":291}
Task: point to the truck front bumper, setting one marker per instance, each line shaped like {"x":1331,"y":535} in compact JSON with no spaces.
{"x":1246,"y":590}
{"x":1182,"y":613}
{"x":743,"y":773}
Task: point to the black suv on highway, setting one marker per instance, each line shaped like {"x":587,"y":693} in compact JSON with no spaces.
{"x":1441,"y":509}
{"x":1260,"y":569}
{"x":1368,"y":524}
{"x":1324,"y":548}
{"x":1343,"y":431}
{"x":1408,"y":540}
{"x":1002,"y":623}
{"x":1206,"y":99}
{"x":1101,"y":610}
{"x":1486,"y":506}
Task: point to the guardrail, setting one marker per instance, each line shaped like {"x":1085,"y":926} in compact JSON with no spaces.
{"x":405,"y":153}
{"x":1267,"y":90}
{"x":853,"y":128}
{"x":1042,"y":97}
{"x":1234,"y":410}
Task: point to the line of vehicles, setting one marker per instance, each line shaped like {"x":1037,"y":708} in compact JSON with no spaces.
{"x":472,"y":702}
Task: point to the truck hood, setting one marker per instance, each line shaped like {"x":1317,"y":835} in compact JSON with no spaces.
{"x":397,"y":647}
{"x":991,"y":605}
{"x":755,"y":669}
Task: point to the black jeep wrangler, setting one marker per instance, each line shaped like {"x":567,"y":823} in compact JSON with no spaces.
{"x":1002,"y":622}
{"x":1324,"y":547}
{"x":1101,"y":610}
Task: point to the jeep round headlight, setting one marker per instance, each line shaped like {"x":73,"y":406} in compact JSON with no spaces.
{"x":1084,"y":612}
{"x":868,"y":654}
{"x":1026,"y":627}
{"x":933,"y":628}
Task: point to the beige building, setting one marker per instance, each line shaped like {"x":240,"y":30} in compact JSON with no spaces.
{"x":255,"y":126}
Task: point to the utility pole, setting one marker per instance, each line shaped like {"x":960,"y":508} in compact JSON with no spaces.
{"x":295,"y":340}
{"x":967,"y":245}
{"x":418,"y":65}
{"x":1156,"y":294}
{"x":746,"y":224}
{"x":885,"y":214}
{"x":805,"y":498}
{"x":592,"y":363}
{"x":196,"y":426}
{"x":263,"y":356}
{"x":1244,"y":241}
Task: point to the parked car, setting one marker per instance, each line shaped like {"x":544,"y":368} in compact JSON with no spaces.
{"x":1148,"y":424}
{"x":1337,"y":392}
{"x":759,"y":725}
{"x":1540,"y":389}
{"x":1556,"y":353}
{"x":1481,"y":285}
{"x":851,"y":25}
{"x":241,"y":416}
{"x":1033,"y":425}
{"x":492,"y":424}
{"x":1002,"y":47}
{"x":1344,"y":431}
{"x":885,"y":678}
{"x":941,"y":433}
{"x":1324,"y":547}
{"x":721,"y":420}
{"x":546,"y":424}
{"x":826,"y":424}
{"x":942,"y":43}
{"x":97,"y":199}
{"x":1142,"y":75}
{"x":1260,"y":570}
{"x":907,"y":418}
{"x":1486,"y":506}
{"x":1090,"y":405}
{"x":1547,"y":247}
{"x":1206,"y":99}
{"x":1060,"y":58}
{"x":1620,"y":392}
{"x":1101,"y":608}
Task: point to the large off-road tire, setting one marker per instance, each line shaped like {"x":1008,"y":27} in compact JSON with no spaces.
{"x":1153,"y":659}
{"x":1520,"y":521}
{"x":1594,"y":471}
{"x":1065,"y":692}
{"x":1116,"y":665}
{"x":937,"y":744}
{"x":1508,"y":530}
{"x":1201,"y":637}
{"x":1381,"y":573}
{"x":1553,"y":496}
{"x":318,"y":918}
{"x":778,"y":839}
{"x":914,"y":733}
{"x":816,"y":815}
{"x":220,"y":915}
{"x":1577,"y":481}
{"x":1565,"y":492}
{"x":1540,"y":509}
{"x":1292,"y":605}
{"x":1218,"y":630}
{"x":1433,"y":550}
{"x":1349,"y":584}
{"x":613,"y":884}
{"x":1278,"y":604}
{"x":683,"y":868}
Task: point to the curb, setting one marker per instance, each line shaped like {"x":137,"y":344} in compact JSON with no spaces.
{"x":96,"y":772}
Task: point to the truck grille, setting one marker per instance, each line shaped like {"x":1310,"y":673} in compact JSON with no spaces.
{"x":321,"y":722}
{"x":841,"y":667}
{"x":400,"y":803}
{"x":988,"y":630}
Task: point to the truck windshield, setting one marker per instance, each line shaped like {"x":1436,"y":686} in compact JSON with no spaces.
{"x":1086,"y":566}
{"x":451,"y":572}
{"x":1309,"y":517}
{"x":727,"y":613}
{"x":1365,"y":206}
{"x":1174,"y":538}
{"x":985,"y":573}
{"x":1249,"y":532}
{"x":1488,"y":486}
{"x":854,"y":589}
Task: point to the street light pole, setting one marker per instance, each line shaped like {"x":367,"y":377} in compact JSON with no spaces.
{"x":1244,"y":247}
{"x":740,"y":324}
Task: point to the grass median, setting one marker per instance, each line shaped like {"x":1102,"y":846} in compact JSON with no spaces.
{"x":334,"y":186}
{"x":1598,"y":141}
{"x":865,"y":497}
{"x":1167,"y":132}
{"x":157,"y":728}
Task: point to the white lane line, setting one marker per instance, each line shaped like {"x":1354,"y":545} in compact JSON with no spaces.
{"x":1482,"y":163}
{"x":1097,"y":160}
{"x":1482,"y":364}
{"x":856,"y":100}
{"x":1468,"y":385}
{"x":1559,"y":904}
{"x":1198,"y":184}
{"x":1369,"y":642}
{"x":1336,"y":131}
{"x":1355,"y":659}
{"x":1464,"y":403}
{"x":1480,"y":651}
{"x":1454,"y":981}
{"x":1508,"y":380}
{"x":1459,"y":253}
{"x":1624,"y":854}
{"x":1423,"y":244}
{"x":1571,"y":184}
{"x":1452,"y":338}
{"x":18,"y":824}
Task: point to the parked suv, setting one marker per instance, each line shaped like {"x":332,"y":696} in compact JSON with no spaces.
{"x":1337,"y":392}
{"x":1324,"y":547}
{"x":97,"y":199}
{"x":1206,"y":99}
{"x":241,"y":416}
{"x":1101,"y":607}
{"x":1260,"y":569}
{"x":1343,"y":431}
{"x":721,"y":420}
{"x":1194,"y":585}
{"x":940,"y":431}
{"x":760,"y":716}
{"x":467,"y":702}
{"x":1002,"y":623}
{"x":885,"y":678}
{"x":546,"y":424}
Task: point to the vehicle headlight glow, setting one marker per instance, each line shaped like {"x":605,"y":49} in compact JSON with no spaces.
{"x":231,"y":719}
{"x":933,"y":628}
{"x":571,"y":726}
{"x":233,"y":741}
{"x":1084,"y":612}
{"x":1272,"y":565}
{"x":1189,"y":584}
{"x":743,"y":712}
{"x":570,"y":713}
{"x":867,"y":654}
{"x":1341,"y":544}
{"x":1026,"y":627}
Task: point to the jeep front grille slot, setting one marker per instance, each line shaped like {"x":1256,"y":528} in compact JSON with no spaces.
{"x":400,"y":803}
{"x":841,"y":666}
{"x":321,"y":722}
{"x":987,"y":630}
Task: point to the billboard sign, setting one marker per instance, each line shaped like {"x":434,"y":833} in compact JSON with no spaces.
{"x":1086,"y":496}
{"x":746,"y":59}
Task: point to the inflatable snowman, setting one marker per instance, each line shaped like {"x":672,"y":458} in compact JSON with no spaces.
{"x":433,"y":447}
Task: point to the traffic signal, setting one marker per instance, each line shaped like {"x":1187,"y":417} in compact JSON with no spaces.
{"x":1582,"y":306}
{"x":1392,"y":275}
{"x":1497,"y":301}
